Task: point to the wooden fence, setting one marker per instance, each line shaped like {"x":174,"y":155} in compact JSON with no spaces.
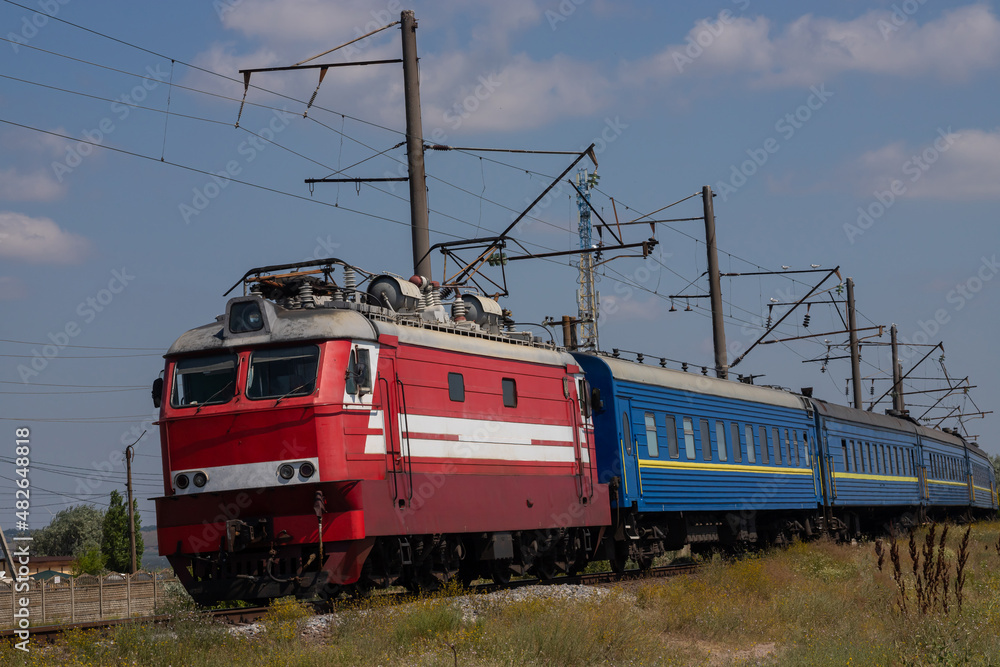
{"x":85,"y":598}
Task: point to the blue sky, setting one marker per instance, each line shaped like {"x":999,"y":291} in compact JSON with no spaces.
{"x":859,"y":135}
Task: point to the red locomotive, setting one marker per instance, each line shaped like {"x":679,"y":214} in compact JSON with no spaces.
{"x":317,"y":437}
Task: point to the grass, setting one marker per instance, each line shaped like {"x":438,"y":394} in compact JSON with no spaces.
{"x":819,"y":603}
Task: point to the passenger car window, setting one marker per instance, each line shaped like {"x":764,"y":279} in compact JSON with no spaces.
{"x":751,"y":447}
{"x":689,"y":438}
{"x":671,"y":425}
{"x":734,"y":430}
{"x":720,"y":439}
{"x":706,"y":441}
{"x":651,"y":443}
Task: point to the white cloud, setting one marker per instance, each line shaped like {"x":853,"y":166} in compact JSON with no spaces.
{"x":953,"y":165}
{"x":34,"y":186}
{"x":39,"y":240}
{"x":317,"y":21}
{"x":811,"y":48}
{"x":11,"y":288}
{"x":523,"y":93}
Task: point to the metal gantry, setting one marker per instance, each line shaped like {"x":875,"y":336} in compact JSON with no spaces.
{"x":586,"y":296}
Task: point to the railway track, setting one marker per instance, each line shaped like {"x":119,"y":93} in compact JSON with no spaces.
{"x":245,"y":615}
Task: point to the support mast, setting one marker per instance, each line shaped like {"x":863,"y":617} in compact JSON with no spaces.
{"x":586,"y":295}
{"x":415,"y":148}
{"x":852,"y":325}
{"x":715,"y":287}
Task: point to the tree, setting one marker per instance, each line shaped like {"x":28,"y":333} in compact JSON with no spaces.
{"x":115,"y":540}
{"x":995,"y":460}
{"x":90,"y":561}
{"x":72,"y":532}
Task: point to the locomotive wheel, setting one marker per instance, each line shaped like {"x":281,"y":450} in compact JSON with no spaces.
{"x":619,"y":557}
{"x":499,"y":571}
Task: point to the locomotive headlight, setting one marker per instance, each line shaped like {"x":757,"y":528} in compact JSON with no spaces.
{"x":245,"y":317}
{"x":200,"y":479}
{"x":181,"y":481}
{"x":286,"y":471}
{"x":307,"y":470}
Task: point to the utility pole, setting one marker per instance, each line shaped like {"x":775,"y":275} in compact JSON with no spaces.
{"x":586,"y":295}
{"x":897,"y":380}
{"x":715,"y":287}
{"x":129,"y":452}
{"x":415,"y":148}
{"x":414,"y":130}
{"x":852,"y":325}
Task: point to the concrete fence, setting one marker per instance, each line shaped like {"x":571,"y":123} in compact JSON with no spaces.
{"x":85,"y":598}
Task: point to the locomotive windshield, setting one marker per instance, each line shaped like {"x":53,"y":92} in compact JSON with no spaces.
{"x":204,"y":381}
{"x":283,"y":372}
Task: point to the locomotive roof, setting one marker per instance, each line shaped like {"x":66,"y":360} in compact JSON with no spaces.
{"x":299,"y":325}
{"x":700,"y":384}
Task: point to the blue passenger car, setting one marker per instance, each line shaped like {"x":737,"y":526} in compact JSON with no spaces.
{"x":692,"y":459}
{"x":717,"y":456}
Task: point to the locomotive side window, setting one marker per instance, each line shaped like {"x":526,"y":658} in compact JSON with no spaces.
{"x":509,"y":392}
{"x":776,"y":439}
{"x":689,"y":438}
{"x":672,"y":448}
{"x":720,"y":439}
{"x":805,"y":447}
{"x":734,"y":430}
{"x":204,"y":381}
{"x":282,"y":372}
{"x":706,"y":441}
{"x":795,"y":445}
{"x":456,"y":387}
{"x":651,"y":444}
{"x":788,"y":449}
{"x":358,"y":378}
{"x":847,"y":461}
{"x":751,"y":447}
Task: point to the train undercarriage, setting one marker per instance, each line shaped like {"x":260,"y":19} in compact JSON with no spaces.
{"x":265,"y":571}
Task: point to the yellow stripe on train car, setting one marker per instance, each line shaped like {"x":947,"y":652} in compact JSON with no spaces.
{"x":867,"y":478}
{"x":723,"y":467}
{"x":944,"y":483}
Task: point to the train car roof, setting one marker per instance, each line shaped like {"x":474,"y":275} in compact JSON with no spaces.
{"x":874,"y":419}
{"x":631,"y":371}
